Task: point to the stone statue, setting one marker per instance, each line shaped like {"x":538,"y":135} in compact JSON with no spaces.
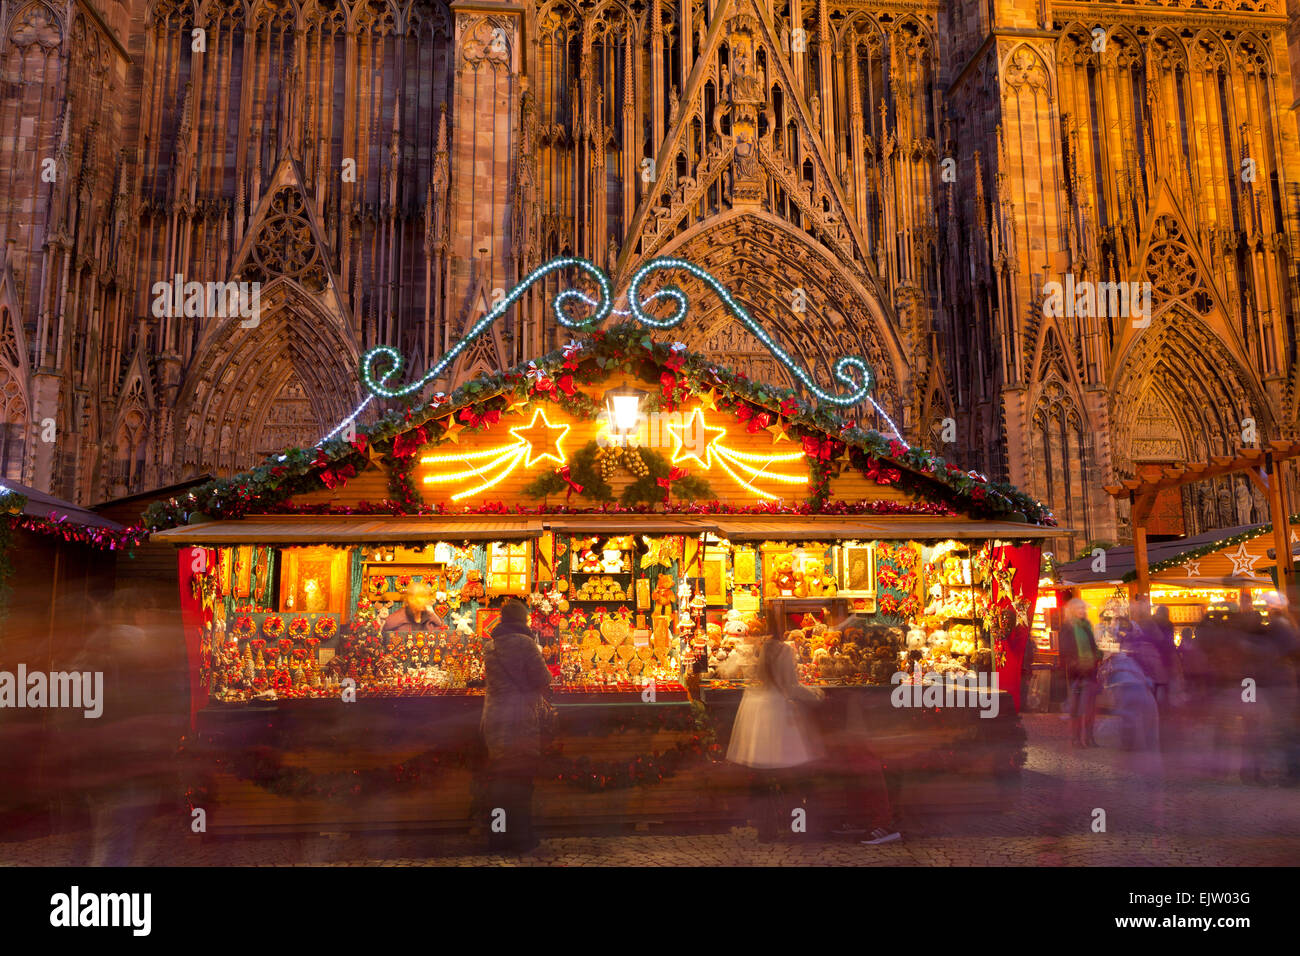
{"x":1244,"y":501}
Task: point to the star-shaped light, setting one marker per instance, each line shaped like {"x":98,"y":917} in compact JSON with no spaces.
{"x":1193,"y":568}
{"x":678,"y":432}
{"x":1243,"y":564}
{"x":543,"y":439}
{"x":451,"y":429}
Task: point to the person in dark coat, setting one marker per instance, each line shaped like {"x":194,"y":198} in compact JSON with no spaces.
{"x":1081,"y":657}
{"x":518,"y":683}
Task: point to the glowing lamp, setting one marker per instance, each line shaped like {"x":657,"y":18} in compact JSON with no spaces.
{"x":624,"y":407}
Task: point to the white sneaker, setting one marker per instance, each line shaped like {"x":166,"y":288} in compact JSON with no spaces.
{"x":881,"y":835}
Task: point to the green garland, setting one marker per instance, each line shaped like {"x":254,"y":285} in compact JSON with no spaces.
{"x":646,"y":490}
{"x":1201,"y":551}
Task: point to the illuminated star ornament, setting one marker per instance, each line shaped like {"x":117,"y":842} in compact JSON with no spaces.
{"x":533,"y":442}
{"x":543,"y":436}
{"x":1243,"y":564}
{"x":1193,"y":568}
{"x":743,"y":467}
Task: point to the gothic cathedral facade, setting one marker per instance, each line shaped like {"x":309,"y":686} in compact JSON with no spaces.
{"x":899,"y":179}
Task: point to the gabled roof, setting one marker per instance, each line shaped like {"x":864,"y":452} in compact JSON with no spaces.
{"x":557,"y":377}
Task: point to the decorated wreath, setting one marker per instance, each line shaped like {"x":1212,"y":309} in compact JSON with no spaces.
{"x":273,"y":626}
{"x":244,"y":628}
{"x":326,"y":627}
{"x":299,"y":627}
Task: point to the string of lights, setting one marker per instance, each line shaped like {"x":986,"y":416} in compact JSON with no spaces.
{"x":377,"y":384}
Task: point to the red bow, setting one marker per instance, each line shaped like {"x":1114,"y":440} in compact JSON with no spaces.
{"x":757,"y":420}
{"x":408,"y":443}
{"x":676,"y":474}
{"x":567,"y":477}
{"x":821,"y":449}
{"x":881,"y":475}
{"x":473,"y":420}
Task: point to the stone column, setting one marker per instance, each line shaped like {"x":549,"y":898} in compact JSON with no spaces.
{"x":489,"y":60}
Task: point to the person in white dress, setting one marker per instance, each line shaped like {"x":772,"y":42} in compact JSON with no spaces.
{"x":773,"y":734}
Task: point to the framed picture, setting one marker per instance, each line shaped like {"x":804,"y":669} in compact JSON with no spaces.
{"x":856,"y":570}
{"x":314,"y":580}
{"x":241,"y":571}
{"x":745,"y":566}
{"x":486,"y":621}
{"x":715,"y":578}
{"x":743,"y":600}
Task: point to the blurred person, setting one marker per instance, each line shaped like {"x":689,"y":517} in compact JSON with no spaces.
{"x":416,"y":612}
{"x":1228,"y":662}
{"x":771,"y":734}
{"x":1081,"y":658}
{"x":1274,"y":650}
{"x":124,"y":761}
{"x":1160,"y":636}
{"x":870,"y":810}
{"x":518,"y":689}
{"x":1132,"y":694}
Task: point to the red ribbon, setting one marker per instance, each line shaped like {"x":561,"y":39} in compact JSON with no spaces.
{"x":408,"y":443}
{"x":881,"y":475}
{"x":567,"y":477}
{"x":474,"y":420}
{"x":820,"y":449}
{"x":565,"y":384}
{"x":676,"y":474}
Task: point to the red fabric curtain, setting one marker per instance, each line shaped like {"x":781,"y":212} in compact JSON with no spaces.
{"x":1024,"y":561}
{"x":193,"y":619}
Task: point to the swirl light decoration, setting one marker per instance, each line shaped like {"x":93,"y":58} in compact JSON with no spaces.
{"x":377,"y":384}
{"x":843,"y":365}
{"x":851,"y":371}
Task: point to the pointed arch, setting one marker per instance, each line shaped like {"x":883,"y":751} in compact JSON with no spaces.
{"x":762,"y":260}
{"x":241,"y":373}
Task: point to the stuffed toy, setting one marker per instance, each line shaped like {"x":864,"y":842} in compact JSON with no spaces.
{"x":662,"y":596}
{"x":783,"y":576}
{"x":814,"y":583}
{"x":755,"y":624}
{"x":734,"y":625}
{"x":473,"y":585}
{"x":590,"y":561}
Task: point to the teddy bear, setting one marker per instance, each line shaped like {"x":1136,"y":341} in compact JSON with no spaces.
{"x":734,"y":625}
{"x":473,"y":585}
{"x":814,"y":583}
{"x":590,"y":561}
{"x":754,"y":624}
{"x":662,"y":596}
{"x":783,"y":576}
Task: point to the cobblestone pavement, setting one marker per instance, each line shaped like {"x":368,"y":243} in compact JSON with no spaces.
{"x":1194,"y":818}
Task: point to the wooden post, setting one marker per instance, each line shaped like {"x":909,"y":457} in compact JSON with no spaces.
{"x":1281,"y":529}
{"x":1139,"y":511}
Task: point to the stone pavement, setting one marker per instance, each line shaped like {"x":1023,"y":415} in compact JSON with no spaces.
{"x":1193,"y":819}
